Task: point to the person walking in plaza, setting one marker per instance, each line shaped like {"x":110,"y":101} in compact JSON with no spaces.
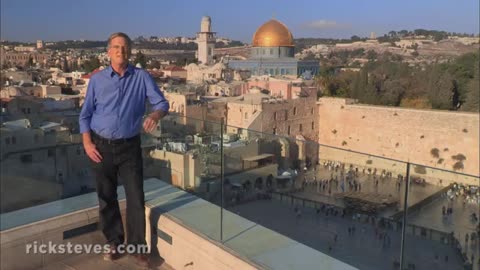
{"x":111,"y":119}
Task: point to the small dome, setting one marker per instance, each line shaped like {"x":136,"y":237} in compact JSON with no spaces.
{"x":273,"y":34}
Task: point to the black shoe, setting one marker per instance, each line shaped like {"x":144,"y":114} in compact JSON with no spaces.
{"x":112,"y":253}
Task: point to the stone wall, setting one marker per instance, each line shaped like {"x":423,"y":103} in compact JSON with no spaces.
{"x":403,"y":134}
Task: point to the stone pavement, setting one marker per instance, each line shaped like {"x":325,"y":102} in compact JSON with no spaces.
{"x":362,"y":249}
{"x":387,"y":186}
{"x":459,"y":222}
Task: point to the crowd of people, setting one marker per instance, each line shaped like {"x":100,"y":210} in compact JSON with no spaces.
{"x":469,"y":197}
{"x":345,"y":177}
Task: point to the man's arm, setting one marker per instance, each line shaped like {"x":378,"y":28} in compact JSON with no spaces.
{"x":159,"y":104}
{"x":157,"y":115}
{"x":88,"y":108}
{"x":84,"y":122}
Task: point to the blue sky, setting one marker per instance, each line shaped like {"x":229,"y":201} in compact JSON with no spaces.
{"x":51,"y":20}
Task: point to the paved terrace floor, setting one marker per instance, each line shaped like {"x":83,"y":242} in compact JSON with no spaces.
{"x":96,"y":262}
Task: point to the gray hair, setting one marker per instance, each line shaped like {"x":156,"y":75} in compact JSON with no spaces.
{"x":119,"y":34}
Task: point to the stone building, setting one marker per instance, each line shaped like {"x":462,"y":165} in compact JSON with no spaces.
{"x":14,"y":58}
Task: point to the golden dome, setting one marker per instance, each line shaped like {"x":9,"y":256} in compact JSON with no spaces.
{"x":273,"y":34}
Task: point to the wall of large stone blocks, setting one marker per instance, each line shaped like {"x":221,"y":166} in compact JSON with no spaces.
{"x":403,"y":134}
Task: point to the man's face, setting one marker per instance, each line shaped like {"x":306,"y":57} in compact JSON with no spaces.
{"x":118,"y":51}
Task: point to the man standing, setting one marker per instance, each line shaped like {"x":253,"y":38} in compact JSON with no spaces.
{"x":110,"y":123}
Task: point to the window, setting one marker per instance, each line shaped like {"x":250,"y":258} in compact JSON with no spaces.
{"x":286,"y":115}
{"x":275,"y":131}
{"x":300,"y":127}
{"x":288,"y":130}
{"x":312,"y":110}
{"x":246,"y":115}
{"x":313,"y":125}
{"x":14,"y":140}
{"x":50,"y":152}
{"x":275,"y":116}
{"x":294,"y":110}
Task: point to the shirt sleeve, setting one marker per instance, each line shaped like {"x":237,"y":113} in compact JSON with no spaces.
{"x":87,"y":108}
{"x":154,"y":95}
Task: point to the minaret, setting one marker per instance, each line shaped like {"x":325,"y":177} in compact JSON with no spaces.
{"x":205,"y":41}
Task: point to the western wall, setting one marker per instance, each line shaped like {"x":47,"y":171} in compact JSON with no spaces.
{"x":433,"y":138}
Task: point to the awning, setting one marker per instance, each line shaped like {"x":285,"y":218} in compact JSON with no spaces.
{"x":259,"y":157}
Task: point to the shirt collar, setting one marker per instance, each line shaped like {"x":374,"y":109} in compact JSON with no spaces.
{"x":128,"y":71}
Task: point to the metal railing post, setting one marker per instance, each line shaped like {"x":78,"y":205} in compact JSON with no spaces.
{"x":222,"y":173}
{"x":405,"y":208}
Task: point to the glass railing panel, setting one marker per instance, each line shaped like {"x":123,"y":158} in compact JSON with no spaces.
{"x":370,"y":191}
{"x":443,"y":212}
{"x":185,"y":152}
{"x":338,"y":202}
{"x":43,"y":173}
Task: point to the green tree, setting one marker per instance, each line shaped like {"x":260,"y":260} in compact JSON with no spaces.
{"x":403,"y":33}
{"x":91,"y":64}
{"x":392,"y":93}
{"x":442,"y":90}
{"x":140,"y":59}
{"x":464,"y":69}
{"x":359,"y":83}
{"x":355,"y":38}
{"x":371,"y":55}
{"x":472,"y":97}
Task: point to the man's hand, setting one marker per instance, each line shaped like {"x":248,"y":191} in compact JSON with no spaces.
{"x":92,"y":151}
{"x":149,"y":124}
{"x":152,"y":120}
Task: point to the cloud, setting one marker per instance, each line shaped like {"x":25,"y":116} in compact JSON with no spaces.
{"x":324,"y":24}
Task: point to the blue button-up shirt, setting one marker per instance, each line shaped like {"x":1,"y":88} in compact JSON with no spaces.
{"x":114,"y":106}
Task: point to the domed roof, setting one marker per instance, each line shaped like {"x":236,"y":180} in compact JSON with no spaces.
{"x":273,"y":34}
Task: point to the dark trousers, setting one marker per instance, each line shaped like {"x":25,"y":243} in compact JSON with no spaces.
{"x":120,"y":160}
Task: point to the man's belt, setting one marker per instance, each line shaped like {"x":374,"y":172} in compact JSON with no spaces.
{"x":103,"y":140}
